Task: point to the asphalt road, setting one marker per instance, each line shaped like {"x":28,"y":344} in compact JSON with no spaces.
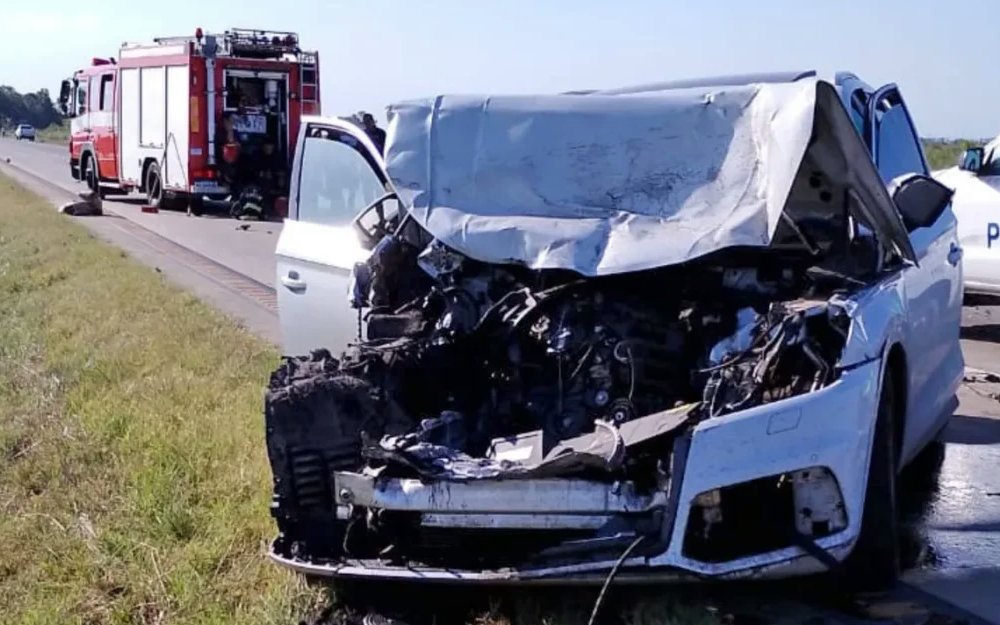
{"x":250,"y":251}
{"x":228,"y":263}
{"x":951,"y":501}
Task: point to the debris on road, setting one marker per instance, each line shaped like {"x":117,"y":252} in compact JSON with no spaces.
{"x":982,"y":383}
{"x":90,"y":203}
{"x":974,"y":376}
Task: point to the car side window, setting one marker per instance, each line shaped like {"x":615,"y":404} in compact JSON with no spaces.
{"x":337,"y":178}
{"x":898,"y":150}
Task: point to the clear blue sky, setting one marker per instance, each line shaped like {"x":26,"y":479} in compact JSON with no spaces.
{"x":944,"y":55}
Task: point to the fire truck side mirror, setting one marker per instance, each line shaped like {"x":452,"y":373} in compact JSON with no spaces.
{"x":64,"y":92}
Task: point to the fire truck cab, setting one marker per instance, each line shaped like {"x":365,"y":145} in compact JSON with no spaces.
{"x":190,"y":118}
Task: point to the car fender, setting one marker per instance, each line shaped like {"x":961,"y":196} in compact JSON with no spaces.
{"x":877,"y":326}
{"x":877,"y":320}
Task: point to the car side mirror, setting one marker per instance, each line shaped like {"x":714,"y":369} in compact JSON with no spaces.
{"x":972,"y":160}
{"x":921,"y":200}
{"x":378,"y":219}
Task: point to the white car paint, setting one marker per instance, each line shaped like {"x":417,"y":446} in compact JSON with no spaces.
{"x":314,"y":259}
{"x":976,"y":204}
{"x":915,"y":309}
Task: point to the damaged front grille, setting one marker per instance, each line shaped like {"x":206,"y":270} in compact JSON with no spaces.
{"x":516,"y":381}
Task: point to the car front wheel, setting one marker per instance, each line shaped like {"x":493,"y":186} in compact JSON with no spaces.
{"x":874,"y":563}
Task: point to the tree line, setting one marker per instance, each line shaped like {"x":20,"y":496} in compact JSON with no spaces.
{"x":36,"y":108}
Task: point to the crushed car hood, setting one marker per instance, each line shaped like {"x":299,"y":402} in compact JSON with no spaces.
{"x":604,"y":184}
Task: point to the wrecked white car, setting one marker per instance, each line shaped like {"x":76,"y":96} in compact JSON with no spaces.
{"x":687,"y":329}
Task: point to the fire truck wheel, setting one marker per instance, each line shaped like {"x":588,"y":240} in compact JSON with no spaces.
{"x":89,"y":175}
{"x":154,"y":185}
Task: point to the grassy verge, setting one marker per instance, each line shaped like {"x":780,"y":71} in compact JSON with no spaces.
{"x":133,"y":479}
{"x":53,"y":133}
{"x":944,"y":153}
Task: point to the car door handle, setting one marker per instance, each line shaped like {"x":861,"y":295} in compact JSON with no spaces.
{"x":954,"y":254}
{"x":292,"y":282}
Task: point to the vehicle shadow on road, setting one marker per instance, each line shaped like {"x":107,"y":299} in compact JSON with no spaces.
{"x":975,"y":299}
{"x":205,"y":212}
{"x":966,"y":430}
{"x":773,"y":603}
{"x":988,"y":332}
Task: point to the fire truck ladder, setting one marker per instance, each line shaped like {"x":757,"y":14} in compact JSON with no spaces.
{"x":308,"y":78}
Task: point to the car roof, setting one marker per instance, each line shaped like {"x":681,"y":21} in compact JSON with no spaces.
{"x":843,"y":80}
{"x":730,"y":80}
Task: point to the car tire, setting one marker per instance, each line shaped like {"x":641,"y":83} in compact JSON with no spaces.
{"x":154,"y":186}
{"x":873,"y":565}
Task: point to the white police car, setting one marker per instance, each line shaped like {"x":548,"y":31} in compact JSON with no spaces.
{"x":976,"y":204}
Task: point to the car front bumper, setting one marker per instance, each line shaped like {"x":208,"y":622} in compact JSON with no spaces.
{"x":829,"y":429}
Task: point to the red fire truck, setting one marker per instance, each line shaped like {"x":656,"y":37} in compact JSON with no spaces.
{"x":157,"y":119}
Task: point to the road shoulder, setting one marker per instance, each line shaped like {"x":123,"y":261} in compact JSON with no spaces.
{"x":251,"y":304}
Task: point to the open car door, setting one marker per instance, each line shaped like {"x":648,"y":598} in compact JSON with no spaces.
{"x":338,"y":181}
{"x":934,"y":285}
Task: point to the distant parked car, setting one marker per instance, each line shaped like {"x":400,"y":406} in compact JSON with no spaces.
{"x":976,"y":203}
{"x":24,"y":131}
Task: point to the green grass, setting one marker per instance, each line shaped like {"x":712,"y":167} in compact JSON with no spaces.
{"x":134,"y":484}
{"x":944,"y":153}
{"x":53,"y":133}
